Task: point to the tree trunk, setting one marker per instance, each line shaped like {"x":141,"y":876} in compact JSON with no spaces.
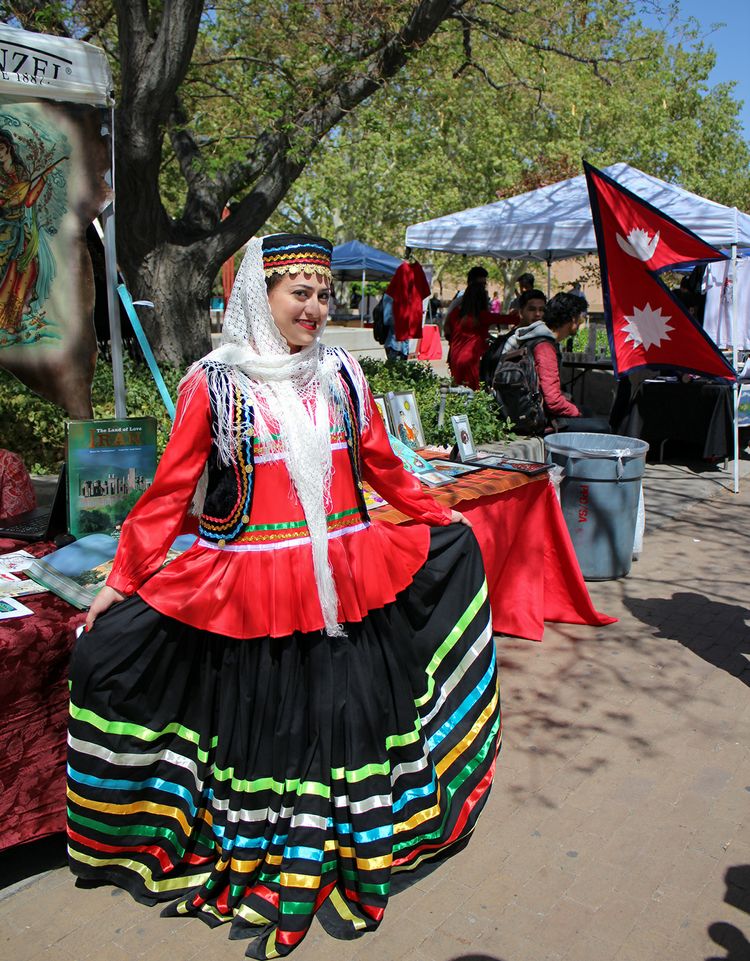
{"x":175,"y":279}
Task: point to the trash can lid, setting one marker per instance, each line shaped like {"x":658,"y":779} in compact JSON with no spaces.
{"x":580,"y":445}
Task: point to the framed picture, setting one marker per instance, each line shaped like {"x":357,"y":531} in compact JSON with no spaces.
{"x":503,"y":462}
{"x":434,"y":478}
{"x":453,"y":468}
{"x":405,"y":419}
{"x":382,"y":406}
{"x":465,"y":442}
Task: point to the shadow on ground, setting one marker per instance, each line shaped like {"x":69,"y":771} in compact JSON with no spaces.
{"x":726,"y":935}
{"x":28,"y":860}
{"x":727,"y":648}
{"x":476,"y":957}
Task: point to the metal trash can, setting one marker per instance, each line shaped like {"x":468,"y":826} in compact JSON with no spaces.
{"x":599,"y":497}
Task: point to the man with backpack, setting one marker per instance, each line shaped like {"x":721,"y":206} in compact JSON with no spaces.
{"x":526,"y":381}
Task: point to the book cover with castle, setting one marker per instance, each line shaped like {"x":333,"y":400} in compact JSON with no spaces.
{"x":110,"y":464}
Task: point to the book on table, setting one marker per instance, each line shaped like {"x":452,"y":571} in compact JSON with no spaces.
{"x":110,"y":464}
{"x":79,"y":571}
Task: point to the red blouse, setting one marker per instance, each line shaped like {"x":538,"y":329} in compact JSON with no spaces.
{"x":468,"y":340}
{"x":264,"y":583}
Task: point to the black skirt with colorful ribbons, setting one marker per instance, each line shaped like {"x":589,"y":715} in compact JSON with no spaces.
{"x":257,"y":782}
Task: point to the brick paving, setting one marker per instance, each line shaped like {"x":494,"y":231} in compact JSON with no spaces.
{"x":617,"y":827}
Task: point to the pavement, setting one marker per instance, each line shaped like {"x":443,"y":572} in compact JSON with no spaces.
{"x":617,"y":825}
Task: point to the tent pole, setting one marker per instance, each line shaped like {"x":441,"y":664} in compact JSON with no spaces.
{"x":362,"y":300}
{"x":549,"y":274}
{"x":736,"y":390}
{"x":113,"y":309}
{"x":110,"y":274}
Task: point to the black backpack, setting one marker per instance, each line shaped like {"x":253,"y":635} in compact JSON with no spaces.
{"x":516,"y":388}
{"x":490,"y":358}
{"x":379,"y":330}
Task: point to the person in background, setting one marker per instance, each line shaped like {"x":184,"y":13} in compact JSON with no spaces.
{"x":394,"y":349}
{"x":16,"y":490}
{"x":531,"y":306}
{"x":466,"y":329}
{"x":561,"y":318}
{"x":525,"y":282}
{"x":496,"y":305}
{"x":476,"y":275}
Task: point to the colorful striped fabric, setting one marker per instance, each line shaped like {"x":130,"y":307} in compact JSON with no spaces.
{"x":468,"y":487}
{"x":257,"y":782}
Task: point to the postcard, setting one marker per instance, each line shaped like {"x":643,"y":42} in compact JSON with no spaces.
{"x":16,"y":561}
{"x":372,"y":500}
{"x":11,"y":608}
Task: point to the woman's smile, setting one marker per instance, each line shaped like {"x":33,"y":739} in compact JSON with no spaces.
{"x":299,"y":306}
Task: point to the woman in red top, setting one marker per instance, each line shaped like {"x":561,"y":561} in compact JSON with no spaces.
{"x":305,"y":701}
{"x":466,"y":329}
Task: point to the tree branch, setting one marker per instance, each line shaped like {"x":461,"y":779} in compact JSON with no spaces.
{"x":335,"y":97}
{"x":203,"y":207}
{"x":494,"y":31}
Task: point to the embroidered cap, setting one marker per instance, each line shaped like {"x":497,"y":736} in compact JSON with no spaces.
{"x":296,"y":253}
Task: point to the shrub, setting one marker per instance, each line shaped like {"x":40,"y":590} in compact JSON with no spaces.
{"x":482,"y":410}
{"x":35,"y":428}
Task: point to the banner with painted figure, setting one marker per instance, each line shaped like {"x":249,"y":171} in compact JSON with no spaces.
{"x":55,"y":163}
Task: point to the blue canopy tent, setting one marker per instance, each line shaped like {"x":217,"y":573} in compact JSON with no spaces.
{"x":355,"y":260}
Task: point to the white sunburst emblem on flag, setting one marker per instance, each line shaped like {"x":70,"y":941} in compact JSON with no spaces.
{"x":647,"y":326}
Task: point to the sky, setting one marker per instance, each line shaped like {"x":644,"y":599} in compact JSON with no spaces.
{"x":730,"y":43}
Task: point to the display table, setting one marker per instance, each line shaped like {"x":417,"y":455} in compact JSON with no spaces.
{"x":580,"y":368}
{"x":533,"y":574}
{"x":697,"y":414}
{"x":429,"y":346}
{"x":34,"y":657}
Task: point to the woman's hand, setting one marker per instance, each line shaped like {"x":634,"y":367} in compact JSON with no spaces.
{"x":106,"y":597}
{"x":458,"y":518}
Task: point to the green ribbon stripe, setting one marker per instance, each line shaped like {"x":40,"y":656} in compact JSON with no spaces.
{"x":147,"y":830}
{"x":466,"y":618}
{"x":137,"y":730}
{"x":296,"y":525}
{"x":451,"y":790}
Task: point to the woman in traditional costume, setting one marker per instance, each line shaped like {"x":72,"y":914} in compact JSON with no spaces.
{"x":302,"y":708}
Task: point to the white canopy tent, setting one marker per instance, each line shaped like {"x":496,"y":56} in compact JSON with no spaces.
{"x":555,"y":222}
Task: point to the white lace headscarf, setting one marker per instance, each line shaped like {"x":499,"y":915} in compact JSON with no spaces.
{"x":292,"y":394}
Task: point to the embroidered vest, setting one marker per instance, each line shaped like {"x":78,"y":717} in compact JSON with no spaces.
{"x":229,"y":496}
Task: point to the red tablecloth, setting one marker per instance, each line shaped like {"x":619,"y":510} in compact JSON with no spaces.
{"x":429,"y":346}
{"x":34,"y":656}
{"x":532,"y":570}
